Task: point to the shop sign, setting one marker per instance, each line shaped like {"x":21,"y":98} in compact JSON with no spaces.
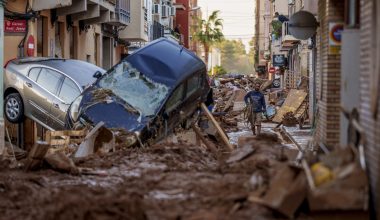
{"x":279,"y":60}
{"x":335,"y":37}
{"x":14,"y":26}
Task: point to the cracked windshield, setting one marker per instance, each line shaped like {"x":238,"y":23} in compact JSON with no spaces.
{"x":134,"y":88}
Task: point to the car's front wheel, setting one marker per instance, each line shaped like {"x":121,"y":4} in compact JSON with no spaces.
{"x":14,"y":108}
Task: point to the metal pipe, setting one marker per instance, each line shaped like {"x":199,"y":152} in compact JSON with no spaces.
{"x":2,"y":4}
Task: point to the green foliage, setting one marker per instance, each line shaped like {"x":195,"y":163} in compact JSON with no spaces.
{"x":209,"y":32}
{"x":235,"y":58}
{"x":277,"y":28}
{"x":219,"y":70}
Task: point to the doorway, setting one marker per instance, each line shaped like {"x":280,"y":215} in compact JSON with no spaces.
{"x":107,"y":53}
{"x":42,"y":37}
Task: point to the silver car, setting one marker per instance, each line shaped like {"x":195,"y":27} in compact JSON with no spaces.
{"x":43,"y":88}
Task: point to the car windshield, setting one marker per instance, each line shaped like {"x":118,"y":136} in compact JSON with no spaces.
{"x":136,"y":89}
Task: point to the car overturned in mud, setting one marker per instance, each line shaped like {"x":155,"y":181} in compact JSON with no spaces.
{"x":147,"y":94}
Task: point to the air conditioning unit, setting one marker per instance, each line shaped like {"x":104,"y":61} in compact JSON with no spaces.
{"x":291,"y":2}
{"x":156,"y":9}
{"x":164,"y":11}
{"x":173,"y":11}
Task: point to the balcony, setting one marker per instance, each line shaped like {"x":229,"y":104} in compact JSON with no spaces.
{"x":138,"y":29}
{"x":287,"y":41}
{"x":114,"y":12}
{"x":171,"y":34}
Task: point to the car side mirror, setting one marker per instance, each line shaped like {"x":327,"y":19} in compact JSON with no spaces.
{"x":97,"y":74}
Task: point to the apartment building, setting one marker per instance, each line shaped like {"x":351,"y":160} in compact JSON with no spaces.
{"x":343,"y":73}
{"x":85,"y":30}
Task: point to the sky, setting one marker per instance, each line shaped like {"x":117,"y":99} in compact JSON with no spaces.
{"x":238,"y":16}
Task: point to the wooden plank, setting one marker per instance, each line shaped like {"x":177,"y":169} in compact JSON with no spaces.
{"x":30,"y":134}
{"x":292,"y":103}
{"x":36,"y":155}
{"x":217,"y":126}
{"x":208,"y":144}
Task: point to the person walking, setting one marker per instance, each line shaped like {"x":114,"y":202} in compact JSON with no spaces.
{"x":256,"y":101}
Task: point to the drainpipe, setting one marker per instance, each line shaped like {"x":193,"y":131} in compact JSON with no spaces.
{"x":2,"y":4}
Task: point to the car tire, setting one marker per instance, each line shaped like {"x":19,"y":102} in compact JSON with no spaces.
{"x":14,"y":108}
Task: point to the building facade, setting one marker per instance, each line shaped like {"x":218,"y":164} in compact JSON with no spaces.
{"x":78,"y":31}
{"x":341,"y":64}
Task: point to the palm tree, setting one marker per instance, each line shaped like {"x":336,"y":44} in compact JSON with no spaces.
{"x":209,"y":32}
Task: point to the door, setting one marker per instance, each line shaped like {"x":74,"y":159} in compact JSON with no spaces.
{"x":42,"y":37}
{"x":40,"y":89}
{"x":107,"y":53}
{"x":173,"y":107}
{"x":66,"y":95}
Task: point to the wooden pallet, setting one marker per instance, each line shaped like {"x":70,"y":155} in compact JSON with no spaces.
{"x":65,"y":138}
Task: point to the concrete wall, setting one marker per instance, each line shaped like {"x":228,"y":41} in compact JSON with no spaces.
{"x":135,"y":31}
{"x":370,"y":123}
{"x":183,"y":19}
{"x":281,"y":7}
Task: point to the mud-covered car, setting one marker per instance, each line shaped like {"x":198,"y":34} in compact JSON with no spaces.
{"x":42,"y":88}
{"x":147,"y":94}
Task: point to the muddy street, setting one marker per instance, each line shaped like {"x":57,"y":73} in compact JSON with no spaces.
{"x":164,"y":181}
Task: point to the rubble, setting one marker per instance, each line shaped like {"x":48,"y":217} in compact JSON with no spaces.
{"x":188,"y":175}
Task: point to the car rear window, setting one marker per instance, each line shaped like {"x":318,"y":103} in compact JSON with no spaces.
{"x":48,"y":79}
{"x":33,"y":74}
{"x":69,"y":91}
{"x":192,"y":85}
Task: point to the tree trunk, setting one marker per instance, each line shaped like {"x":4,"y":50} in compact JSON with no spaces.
{"x":207,"y":50}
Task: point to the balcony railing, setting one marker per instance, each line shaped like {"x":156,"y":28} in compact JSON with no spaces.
{"x":123,"y":11}
{"x":170,"y":33}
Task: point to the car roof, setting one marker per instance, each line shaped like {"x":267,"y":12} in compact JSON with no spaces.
{"x":82,"y":72}
{"x":166,"y":62}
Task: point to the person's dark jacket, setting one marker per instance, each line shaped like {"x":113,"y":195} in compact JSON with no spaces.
{"x":257,"y":100}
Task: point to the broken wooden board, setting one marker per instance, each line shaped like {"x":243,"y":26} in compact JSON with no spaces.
{"x":287,"y":191}
{"x":240,"y":154}
{"x":64,"y":138}
{"x":36,"y":155}
{"x":292,"y":103}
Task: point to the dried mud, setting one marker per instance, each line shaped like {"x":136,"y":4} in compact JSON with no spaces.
{"x":161,"y":182}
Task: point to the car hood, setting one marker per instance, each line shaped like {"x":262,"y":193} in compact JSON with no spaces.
{"x":111,"y":110}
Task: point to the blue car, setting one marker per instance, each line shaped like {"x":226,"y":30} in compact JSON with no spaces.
{"x":147,"y":94}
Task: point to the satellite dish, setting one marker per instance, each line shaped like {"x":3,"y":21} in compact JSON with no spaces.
{"x":303,"y":25}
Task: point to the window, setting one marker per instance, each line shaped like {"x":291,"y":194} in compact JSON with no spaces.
{"x":69,"y":91}
{"x":192,"y":85}
{"x":176,"y":98}
{"x":33,"y":74}
{"x":48,"y":79}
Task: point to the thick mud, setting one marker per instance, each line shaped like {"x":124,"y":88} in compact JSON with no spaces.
{"x":162,"y":182}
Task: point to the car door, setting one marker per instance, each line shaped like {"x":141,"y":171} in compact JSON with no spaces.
{"x":67,"y":92}
{"x":48,"y":80}
{"x":39,"y":88}
{"x":173,"y":106}
{"x":193,"y":85}
{"x":33,"y":96}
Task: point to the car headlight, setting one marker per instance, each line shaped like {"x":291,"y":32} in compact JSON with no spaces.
{"x":74,"y":109}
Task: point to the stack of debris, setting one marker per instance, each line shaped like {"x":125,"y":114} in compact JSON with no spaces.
{"x":334,"y":183}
